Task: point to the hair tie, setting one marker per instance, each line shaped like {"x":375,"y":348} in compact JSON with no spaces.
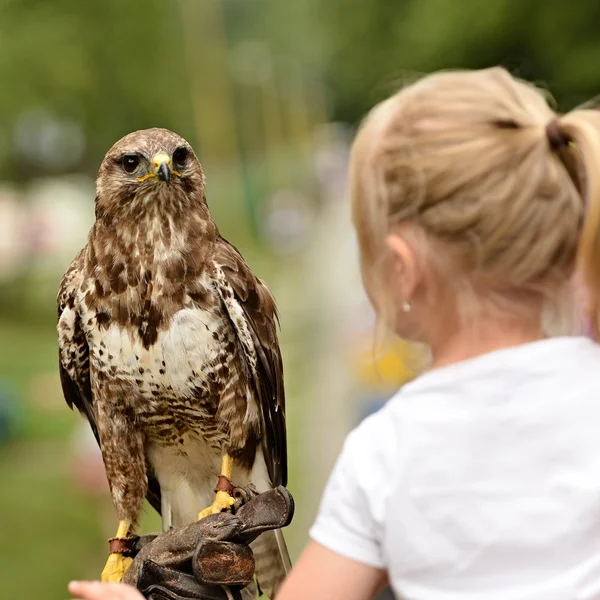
{"x":556,"y":138}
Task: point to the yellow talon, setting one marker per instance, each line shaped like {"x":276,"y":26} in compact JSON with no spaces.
{"x":115,"y":568}
{"x":117,"y":564}
{"x":222,"y":502}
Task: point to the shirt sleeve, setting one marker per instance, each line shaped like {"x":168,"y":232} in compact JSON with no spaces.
{"x":345,"y":522}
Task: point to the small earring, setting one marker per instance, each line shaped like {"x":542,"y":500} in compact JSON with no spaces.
{"x":406,"y":306}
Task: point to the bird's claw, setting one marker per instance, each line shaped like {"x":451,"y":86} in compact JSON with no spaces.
{"x":222,"y":502}
{"x":115,"y":568}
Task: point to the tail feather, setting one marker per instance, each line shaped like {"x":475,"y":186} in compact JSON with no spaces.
{"x":272,"y":561}
{"x":283,"y":551}
{"x":249,"y":592}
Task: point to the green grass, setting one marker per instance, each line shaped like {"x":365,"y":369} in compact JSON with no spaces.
{"x":28,"y":350}
{"x":49,"y":532}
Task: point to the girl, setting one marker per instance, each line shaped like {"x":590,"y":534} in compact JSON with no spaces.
{"x":481,"y":478}
{"x":473,"y":204}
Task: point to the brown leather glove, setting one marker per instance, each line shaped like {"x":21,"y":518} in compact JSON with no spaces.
{"x":210,"y":559}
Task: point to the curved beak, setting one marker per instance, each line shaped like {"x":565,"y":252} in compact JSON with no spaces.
{"x":162,"y":167}
{"x":163,"y":173}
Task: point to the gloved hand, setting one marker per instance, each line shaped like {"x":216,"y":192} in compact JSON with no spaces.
{"x":210,"y":559}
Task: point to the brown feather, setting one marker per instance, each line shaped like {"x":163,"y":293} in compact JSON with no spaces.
{"x":261,"y":314}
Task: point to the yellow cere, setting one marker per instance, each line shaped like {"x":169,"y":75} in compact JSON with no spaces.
{"x":160,"y":158}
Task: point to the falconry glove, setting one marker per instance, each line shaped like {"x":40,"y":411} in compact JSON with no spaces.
{"x":210,"y":559}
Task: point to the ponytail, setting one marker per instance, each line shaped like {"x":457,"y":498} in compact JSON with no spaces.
{"x":582,"y":128}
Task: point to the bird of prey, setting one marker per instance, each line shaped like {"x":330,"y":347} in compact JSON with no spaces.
{"x":168,"y":346}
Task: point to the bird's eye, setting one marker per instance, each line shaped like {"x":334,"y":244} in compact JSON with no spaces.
{"x":180,"y":157}
{"x":130,"y":162}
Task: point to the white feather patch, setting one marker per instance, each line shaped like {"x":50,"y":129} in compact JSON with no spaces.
{"x":187,"y":475}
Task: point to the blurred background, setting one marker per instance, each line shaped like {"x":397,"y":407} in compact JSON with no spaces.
{"x":268,"y":93}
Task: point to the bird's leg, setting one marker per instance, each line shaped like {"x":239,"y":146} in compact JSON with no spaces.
{"x":125,"y":464}
{"x":117,"y":564}
{"x":223,"y":500}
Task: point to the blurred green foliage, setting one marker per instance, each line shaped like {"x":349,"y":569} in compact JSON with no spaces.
{"x":370,"y":47}
{"x":110,"y":66}
{"x":114,"y":66}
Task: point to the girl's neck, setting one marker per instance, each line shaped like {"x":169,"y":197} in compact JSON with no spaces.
{"x":481,"y":337}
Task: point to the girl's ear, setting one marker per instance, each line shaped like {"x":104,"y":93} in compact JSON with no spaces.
{"x":405,"y":271}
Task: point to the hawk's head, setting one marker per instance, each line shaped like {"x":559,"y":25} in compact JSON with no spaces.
{"x":151,"y":170}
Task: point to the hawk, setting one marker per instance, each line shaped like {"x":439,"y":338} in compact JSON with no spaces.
{"x":168,"y":346}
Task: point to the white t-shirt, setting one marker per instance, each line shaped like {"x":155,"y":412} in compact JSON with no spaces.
{"x":479,"y":480}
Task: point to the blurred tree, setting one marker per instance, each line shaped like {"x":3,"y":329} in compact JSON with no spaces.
{"x":110,"y":67}
{"x":371,"y":47}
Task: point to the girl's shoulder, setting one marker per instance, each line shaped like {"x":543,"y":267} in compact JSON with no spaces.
{"x":552,"y":379}
{"x":558,"y":361}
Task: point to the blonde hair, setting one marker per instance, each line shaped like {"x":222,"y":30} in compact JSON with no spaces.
{"x":500,"y":208}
